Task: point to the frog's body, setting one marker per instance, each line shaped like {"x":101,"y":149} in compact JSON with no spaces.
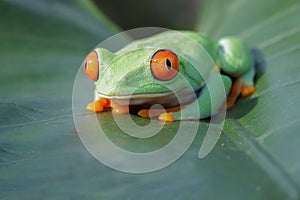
{"x":155,"y":70}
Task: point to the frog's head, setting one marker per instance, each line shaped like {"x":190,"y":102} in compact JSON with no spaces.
{"x":142,"y":73}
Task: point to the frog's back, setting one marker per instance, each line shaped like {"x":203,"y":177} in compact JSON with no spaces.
{"x":206,"y":42}
{"x":176,"y":40}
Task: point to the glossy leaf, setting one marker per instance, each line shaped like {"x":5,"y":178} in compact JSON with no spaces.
{"x":41,"y":156}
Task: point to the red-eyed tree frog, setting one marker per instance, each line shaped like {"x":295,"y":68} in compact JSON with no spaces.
{"x":145,"y":69}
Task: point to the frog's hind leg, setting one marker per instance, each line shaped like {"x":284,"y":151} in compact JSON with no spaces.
{"x":237,"y":61}
{"x":209,"y":101}
{"x":243,"y":85}
{"x":234,"y":56}
{"x":248,"y":82}
{"x":235,"y":92}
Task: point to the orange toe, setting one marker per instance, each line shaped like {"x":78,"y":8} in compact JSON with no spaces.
{"x":105,"y":102}
{"x":166,"y":117}
{"x":150,"y":113}
{"x":99,"y":105}
{"x":247,"y":90}
{"x":144,"y":113}
{"x":95,"y":106}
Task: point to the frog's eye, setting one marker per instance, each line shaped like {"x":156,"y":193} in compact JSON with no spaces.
{"x":164,"y":65}
{"x":91,"y":66}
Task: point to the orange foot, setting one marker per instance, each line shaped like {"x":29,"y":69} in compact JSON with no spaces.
{"x":166,"y":117}
{"x":146,"y":113}
{"x":98,"y":105}
{"x":151,"y":113}
{"x":247,"y":90}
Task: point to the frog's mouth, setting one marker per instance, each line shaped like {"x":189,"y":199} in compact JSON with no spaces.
{"x":166,"y":99}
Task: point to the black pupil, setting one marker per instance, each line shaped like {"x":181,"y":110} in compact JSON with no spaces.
{"x":168,"y":64}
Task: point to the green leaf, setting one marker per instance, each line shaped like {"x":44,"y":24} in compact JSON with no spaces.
{"x":41,"y":156}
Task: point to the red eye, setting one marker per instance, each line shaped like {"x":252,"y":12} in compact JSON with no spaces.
{"x":91,"y":66}
{"x":164,"y":65}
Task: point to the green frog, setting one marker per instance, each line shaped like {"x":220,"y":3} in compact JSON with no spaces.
{"x":141,"y":74}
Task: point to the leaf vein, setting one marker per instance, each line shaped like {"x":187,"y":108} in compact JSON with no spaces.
{"x":246,"y":141}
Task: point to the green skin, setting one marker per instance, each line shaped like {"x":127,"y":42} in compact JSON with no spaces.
{"x":126,"y":73}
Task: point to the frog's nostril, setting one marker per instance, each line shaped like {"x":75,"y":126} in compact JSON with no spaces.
{"x":91,"y":66}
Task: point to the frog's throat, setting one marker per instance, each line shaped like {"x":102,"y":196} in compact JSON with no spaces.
{"x":166,"y":99}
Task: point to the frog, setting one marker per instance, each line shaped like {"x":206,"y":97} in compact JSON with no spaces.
{"x":140,"y":75}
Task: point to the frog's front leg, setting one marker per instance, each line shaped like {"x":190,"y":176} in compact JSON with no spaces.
{"x":237,"y":61}
{"x":103,"y":103}
{"x":151,"y":113}
{"x":98,"y":105}
{"x":209,"y":101}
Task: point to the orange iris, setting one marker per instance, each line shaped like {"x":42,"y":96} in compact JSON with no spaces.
{"x":91,"y":66}
{"x":164,"y":65}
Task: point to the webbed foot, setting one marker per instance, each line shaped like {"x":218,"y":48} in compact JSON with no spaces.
{"x":166,"y":117}
{"x":247,"y":90}
{"x":151,"y":113}
{"x":98,"y":105}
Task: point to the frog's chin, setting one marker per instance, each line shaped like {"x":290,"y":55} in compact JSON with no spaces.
{"x":166,"y":99}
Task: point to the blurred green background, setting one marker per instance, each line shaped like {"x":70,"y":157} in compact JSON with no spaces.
{"x":176,"y":14}
{"x":42,"y":44}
